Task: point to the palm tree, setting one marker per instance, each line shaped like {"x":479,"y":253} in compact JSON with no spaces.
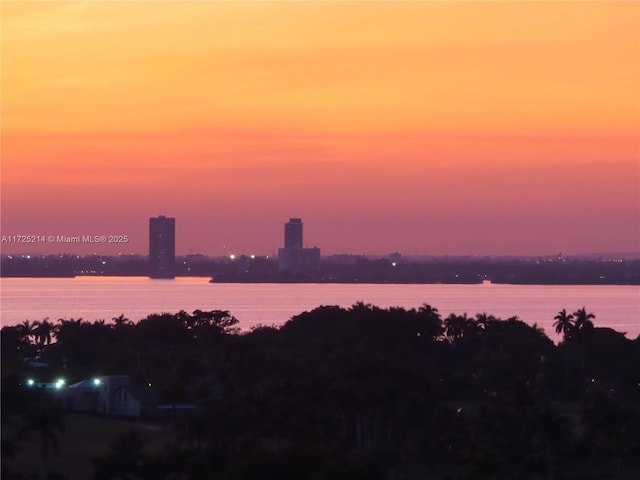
{"x":45,"y":418}
{"x":27,"y":330}
{"x":429,"y":311}
{"x":564,"y":323}
{"x":456,"y":326}
{"x":583,"y":319}
{"x":42,"y":333}
{"x":16,"y":340}
{"x":483,"y":319}
{"x":121,"y":321}
{"x":583,"y":327}
{"x":431,"y":322}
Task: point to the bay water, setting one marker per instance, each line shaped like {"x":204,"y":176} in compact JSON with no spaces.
{"x":94,"y":298}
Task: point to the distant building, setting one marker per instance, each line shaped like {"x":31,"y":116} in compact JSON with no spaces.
{"x":162,"y":247}
{"x":293,"y":258}
{"x":293,"y":233}
{"x":110,"y":384}
{"x":95,"y":395}
{"x":116,"y":395}
{"x":135,"y":401}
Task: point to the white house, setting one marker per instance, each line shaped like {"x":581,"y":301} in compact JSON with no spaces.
{"x":107,"y":395}
{"x":135,"y":401}
{"x":115,"y":395}
{"x":83,"y":396}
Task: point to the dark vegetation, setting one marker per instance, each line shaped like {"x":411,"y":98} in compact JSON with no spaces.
{"x":345,"y":269}
{"x":359,"y":393}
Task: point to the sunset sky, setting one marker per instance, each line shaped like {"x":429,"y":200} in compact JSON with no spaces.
{"x":482,"y":128}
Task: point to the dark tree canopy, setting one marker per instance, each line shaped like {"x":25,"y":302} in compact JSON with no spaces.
{"x":360,"y":392}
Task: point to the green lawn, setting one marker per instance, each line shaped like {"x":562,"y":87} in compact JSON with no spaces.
{"x":85,"y":437}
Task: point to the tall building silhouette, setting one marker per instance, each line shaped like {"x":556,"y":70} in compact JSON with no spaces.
{"x":293,"y":258}
{"x":293,"y":233}
{"x":162,"y":247}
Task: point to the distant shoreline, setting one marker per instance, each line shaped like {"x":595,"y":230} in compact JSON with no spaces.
{"x":331,"y":281}
{"x":394,"y":269}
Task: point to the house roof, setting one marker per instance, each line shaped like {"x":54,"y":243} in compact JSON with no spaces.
{"x":89,"y":383}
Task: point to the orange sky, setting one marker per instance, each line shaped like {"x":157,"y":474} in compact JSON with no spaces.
{"x":419,"y":127}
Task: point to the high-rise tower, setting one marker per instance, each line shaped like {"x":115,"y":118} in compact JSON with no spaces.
{"x":162,"y":247}
{"x":293,"y":233}
{"x":293,"y":258}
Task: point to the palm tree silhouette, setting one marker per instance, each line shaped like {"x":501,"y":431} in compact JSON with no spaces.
{"x":583,"y":319}
{"x":429,"y":311}
{"x":431,"y":322}
{"x":456,"y":326}
{"x":27,"y":330}
{"x":483,"y":319}
{"x":42,"y":332}
{"x":583,"y":327}
{"x":564,"y":323}
{"x":120,"y":321}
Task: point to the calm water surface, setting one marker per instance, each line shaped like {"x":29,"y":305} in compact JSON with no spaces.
{"x":93,"y":298}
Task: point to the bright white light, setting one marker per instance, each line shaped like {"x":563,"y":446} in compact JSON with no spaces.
{"x":31,"y":382}
{"x":59,"y":383}
{"x":253,"y":256}
{"x":393,"y":264}
{"x":96,"y":381}
{"x":232,"y":256}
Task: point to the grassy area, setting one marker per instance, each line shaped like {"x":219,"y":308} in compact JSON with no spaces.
{"x":85,"y":437}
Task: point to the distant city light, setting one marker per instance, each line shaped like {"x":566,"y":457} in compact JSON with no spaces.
{"x":253,"y":256}
{"x":31,"y":382}
{"x":59,"y":383}
{"x":96,"y":381}
{"x":232,"y":256}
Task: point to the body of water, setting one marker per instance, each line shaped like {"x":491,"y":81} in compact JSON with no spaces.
{"x":93,"y":298}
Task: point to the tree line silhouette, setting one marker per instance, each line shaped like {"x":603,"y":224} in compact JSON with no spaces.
{"x":363,"y":392}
